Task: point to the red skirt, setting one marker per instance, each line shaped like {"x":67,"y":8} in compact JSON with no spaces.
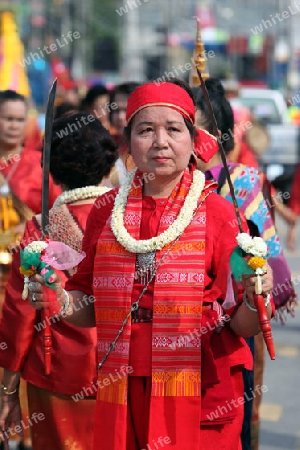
{"x":4,"y":272}
{"x":212,"y":437}
{"x":67,"y":424}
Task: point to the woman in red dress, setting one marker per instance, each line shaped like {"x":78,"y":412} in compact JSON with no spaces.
{"x":80,"y":162}
{"x":170,"y":351}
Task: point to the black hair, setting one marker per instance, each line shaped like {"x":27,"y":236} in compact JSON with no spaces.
{"x":82,"y":151}
{"x":124,"y":88}
{"x":11,"y":96}
{"x":95,"y":91}
{"x":64,"y":108}
{"x":221,"y":108}
{"x":184,"y":85}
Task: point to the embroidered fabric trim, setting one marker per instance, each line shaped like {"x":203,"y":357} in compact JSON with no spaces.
{"x":63,"y":228}
{"x":135,"y":305}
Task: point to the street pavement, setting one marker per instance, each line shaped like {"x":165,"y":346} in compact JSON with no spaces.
{"x":280,"y":411}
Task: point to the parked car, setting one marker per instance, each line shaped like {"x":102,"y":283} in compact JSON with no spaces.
{"x":283,"y":153}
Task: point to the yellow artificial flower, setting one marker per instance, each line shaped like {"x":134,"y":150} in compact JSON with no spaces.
{"x":27,"y":272}
{"x":256,"y":262}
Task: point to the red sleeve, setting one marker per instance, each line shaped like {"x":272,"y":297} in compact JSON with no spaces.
{"x":83,"y":279}
{"x":26,"y":181}
{"x":18,"y":317}
{"x":225,"y":240}
{"x":222,"y":230}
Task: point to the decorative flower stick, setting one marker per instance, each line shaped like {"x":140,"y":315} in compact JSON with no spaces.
{"x":31,"y":263}
{"x":257,"y":264}
{"x":42,"y":257}
{"x":248,"y":258}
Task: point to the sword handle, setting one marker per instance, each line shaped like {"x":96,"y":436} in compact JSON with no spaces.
{"x":51,"y":299}
{"x":264,"y":323}
{"x":47,"y":341}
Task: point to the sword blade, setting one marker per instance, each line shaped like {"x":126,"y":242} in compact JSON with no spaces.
{"x":46,"y":159}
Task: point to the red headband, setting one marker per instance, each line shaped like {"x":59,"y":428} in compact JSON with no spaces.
{"x":174,"y":97}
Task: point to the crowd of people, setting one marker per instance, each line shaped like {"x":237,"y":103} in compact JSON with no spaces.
{"x":138,"y":185}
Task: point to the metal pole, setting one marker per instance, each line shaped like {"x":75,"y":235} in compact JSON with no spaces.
{"x":132,"y":63}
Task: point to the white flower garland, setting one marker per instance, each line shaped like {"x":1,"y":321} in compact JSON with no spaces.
{"x":80,"y":194}
{"x":36,"y":246}
{"x":255,"y":246}
{"x":175,"y":229}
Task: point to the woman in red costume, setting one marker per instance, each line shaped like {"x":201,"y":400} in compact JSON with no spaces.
{"x":159,"y":256}
{"x":20,"y":166}
{"x":80,"y":162}
{"x":20,"y":191}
